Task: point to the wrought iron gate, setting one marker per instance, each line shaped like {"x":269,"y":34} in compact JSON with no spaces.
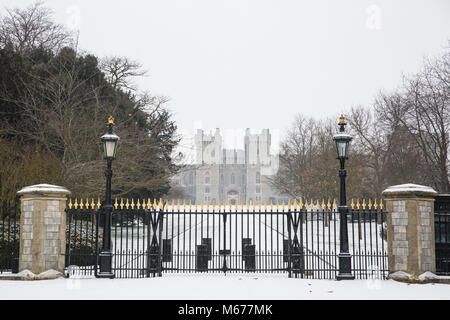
{"x":299,"y":238}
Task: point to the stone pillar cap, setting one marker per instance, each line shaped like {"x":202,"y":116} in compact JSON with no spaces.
{"x":409,"y":189}
{"x":42,"y":189}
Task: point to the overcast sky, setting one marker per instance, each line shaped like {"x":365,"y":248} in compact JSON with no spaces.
{"x":237,"y":64}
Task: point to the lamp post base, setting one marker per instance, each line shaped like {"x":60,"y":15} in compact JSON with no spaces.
{"x":345,"y":273}
{"x":105,"y":258}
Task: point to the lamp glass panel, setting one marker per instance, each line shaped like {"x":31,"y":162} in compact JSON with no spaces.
{"x":110,"y":149}
{"x":341,"y":148}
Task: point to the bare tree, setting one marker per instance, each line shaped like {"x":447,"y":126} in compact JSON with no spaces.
{"x":119,"y":72}
{"x":32,"y":27}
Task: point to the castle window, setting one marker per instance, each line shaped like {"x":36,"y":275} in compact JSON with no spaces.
{"x":232,"y":178}
{"x":207,"y":178}
{"x":258,"y":177}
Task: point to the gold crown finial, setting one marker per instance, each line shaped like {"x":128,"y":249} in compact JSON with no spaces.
{"x":342,"y":119}
{"x":111,"y":120}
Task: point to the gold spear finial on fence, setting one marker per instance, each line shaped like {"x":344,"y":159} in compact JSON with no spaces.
{"x":93,"y":204}
{"x":75,"y":204}
{"x":341,"y":119}
{"x":357,"y":204}
{"x":370,"y":204}
{"x":111,"y":120}
{"x":132,"y":204}
{"x":352,"y":205}
{"x":81,"y":203}
{"x":381,"y":204}
{"x":375,"y":204}
{"x":70,"y":203}
{"x":138,"y":204}
{"x":98,"y":203}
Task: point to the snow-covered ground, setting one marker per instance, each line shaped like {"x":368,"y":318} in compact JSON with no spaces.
{"x":230,"y":287}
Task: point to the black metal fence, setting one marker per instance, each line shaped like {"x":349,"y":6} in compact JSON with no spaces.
{"x":9,"y":236}
{"x":300,"y":239}
{"x":442,"y":234}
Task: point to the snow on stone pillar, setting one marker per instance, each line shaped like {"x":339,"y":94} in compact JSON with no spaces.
{"x":410,"y":228}
{"x":42,"y":228}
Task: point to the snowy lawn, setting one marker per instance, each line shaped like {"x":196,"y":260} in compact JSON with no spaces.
{"x":204,"y":287}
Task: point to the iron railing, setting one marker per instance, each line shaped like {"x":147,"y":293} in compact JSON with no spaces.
{"x":9,"y":236}
{"x":442,"y":237}
{"x":299,"y":239}
{"x":442,"y":234}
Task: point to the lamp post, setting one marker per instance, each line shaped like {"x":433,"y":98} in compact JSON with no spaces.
{"x":342,"y":140}
{"x":110,"y":141}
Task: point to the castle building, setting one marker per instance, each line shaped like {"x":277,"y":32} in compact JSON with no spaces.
{"x":231,"y":175}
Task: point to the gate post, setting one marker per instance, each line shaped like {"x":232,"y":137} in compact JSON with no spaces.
{"x":410,"y":228}
{"x":42,"y":228}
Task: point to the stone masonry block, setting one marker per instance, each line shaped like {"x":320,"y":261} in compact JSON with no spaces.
{"x":27,"y":235}
{"x":401,"y":259}
{"x":400,"y":251}
{"x":400,"y":236}
{"x":399,"y":229}
{"x":399,"y":215}
{"x":52,"y":228}
{"x":400,"y":244}
{"x":401,"y":266}
{"x":399,"y":222}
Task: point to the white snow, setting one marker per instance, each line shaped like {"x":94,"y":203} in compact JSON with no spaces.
{"x":49,"y":274}
{"x":44,"y":188}
{"x":409,"y":187}
{"x":211,"y":287}
{"x":400,"y":275}
{"x":26,"y":274}
{"x":430,"y":276}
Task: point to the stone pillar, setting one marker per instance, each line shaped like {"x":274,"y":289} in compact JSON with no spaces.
{"x":42,"y":228}
{"x":410,"y":228}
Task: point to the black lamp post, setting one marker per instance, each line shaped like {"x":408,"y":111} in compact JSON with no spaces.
{"x":342,"y":140}
{"x":110,"y":141}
